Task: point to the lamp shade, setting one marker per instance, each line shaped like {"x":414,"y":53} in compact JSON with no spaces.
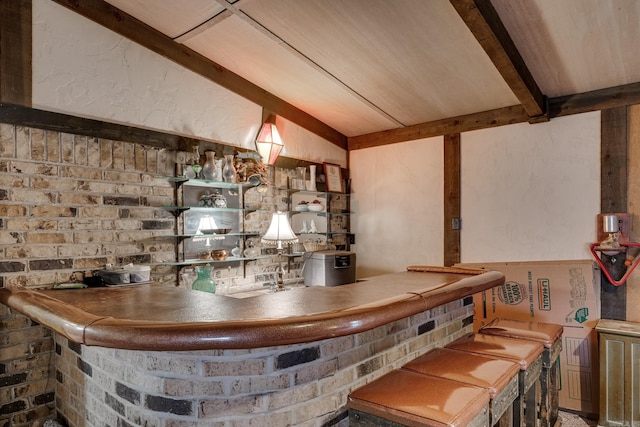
{"x":269,"y":143}
{"x":206,"y":225}
{"x":279,"y":231}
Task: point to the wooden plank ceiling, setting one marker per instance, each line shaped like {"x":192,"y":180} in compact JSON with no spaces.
{"x":374,"y":72}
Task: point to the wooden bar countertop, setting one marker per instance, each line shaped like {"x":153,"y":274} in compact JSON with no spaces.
{"x":155,"y":318}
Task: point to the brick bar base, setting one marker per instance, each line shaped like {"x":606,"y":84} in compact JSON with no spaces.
{"x":304,"y":384}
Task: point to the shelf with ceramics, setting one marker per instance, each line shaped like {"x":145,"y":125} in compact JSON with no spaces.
{"x":210,"y":222}
{"x":321,"y":217}
{"x":213,"y":215}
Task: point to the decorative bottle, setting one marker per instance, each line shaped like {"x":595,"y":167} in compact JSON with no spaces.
{"x":251,"y":251}
{"x":204,"y":282}
{"x":236,"y":251}
{"x":218,"y":172}
{"x":209,"y":168}
{"x":312,"y":178}
{"x":229,"y":171}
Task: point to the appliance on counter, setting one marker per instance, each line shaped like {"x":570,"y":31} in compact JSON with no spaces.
{"x":329,"y":268}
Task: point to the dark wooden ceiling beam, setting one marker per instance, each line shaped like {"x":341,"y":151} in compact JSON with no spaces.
{"x":30,"y":117}
{"x":485,"y":25}
{"x":15,"y":52}
{"x":602,"y":99}
{"x":127,"y":26}
{"x":617,"y":96}
{"x":469,"y":122}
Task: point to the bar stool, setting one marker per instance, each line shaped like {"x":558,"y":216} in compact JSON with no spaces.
{"x":499,"y":376}
{"x":407,"y":398}
{"x":527,"y":354}
{"x":550,"y":336}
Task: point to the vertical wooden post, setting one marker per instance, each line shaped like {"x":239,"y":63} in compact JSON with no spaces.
{"x":633,"y":207}
{"x":613,"y":199}
{"x":452,"y":220}
{"x":15,"y":52}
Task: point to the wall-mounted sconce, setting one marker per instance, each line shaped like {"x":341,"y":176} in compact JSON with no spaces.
{"x":268,"y":141}
{"x":613,"y":241}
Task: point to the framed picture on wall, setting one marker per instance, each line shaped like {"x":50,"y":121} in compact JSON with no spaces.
{"x":333,"y":175}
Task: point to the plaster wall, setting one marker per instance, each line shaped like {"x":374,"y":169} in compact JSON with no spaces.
{"x":531,"y":192}
{"x":397,"y":206}
{"x":86,"y":70}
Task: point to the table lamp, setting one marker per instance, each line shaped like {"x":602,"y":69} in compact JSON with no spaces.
{"x":279,"y":232}
{"x":206,"y":227}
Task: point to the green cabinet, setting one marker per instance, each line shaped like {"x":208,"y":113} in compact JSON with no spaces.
{"x":619,"y":373}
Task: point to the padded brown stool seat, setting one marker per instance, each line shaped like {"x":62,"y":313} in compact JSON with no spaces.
{"x":549,"y":335}
{"x":498,"y":376}
{"x":407,"y":398}
{"x":527,"y":354}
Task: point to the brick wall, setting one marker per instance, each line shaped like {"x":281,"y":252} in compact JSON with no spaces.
{"x":26,"y":363}
{"x":302,"y":385}
{"x":69,"y":204}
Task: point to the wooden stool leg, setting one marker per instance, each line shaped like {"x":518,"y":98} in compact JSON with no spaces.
{"x":554,"y":390}
{"x":530,"y":407}
{"x":527,"y":398}
{"x":549,"y":394}
{"x":545,"y":398}
{"x":518,"y":411}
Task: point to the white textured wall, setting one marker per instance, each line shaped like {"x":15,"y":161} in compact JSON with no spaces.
{"x":83,"y":69}
{"x":531,"y":192}
{"x":302,"y":144}
{"x":397,"y":206}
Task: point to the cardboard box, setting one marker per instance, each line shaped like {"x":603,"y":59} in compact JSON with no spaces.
{"x":562,"y":292}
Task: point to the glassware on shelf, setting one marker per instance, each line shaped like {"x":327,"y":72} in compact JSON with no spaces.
{"x":236,"y":251}
{"x":196,"y":169}
{"x":251,"y":251}
{"x":209,"y":167}
{"x":188,"y":172}
{"x":188,"y":276}
{"x":204,"y":281}
{"x":196,"y":162}
{"x":301,"y":173}
{"x":229,"y":171}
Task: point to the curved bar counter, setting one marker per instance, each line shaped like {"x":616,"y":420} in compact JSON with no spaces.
{"x":168,"y":357}
{"x":144,"y":317}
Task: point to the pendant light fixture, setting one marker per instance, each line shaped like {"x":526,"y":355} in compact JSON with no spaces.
{"x":268,"y":142}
